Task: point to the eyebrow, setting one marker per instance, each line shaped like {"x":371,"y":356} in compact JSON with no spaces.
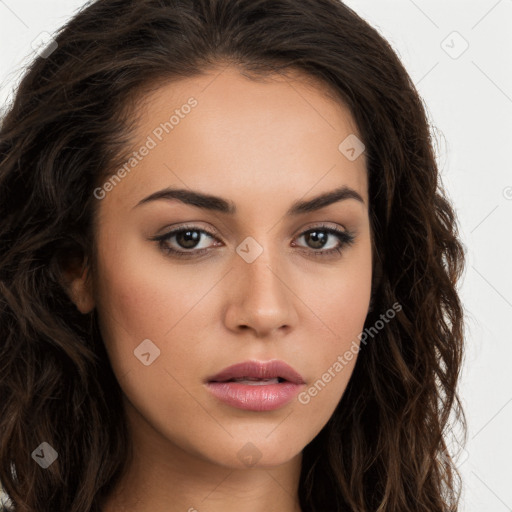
{"x":218,"y":204}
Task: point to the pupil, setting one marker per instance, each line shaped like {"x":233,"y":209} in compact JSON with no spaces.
{"x":188,"y":239}
{"x":317,"y":237}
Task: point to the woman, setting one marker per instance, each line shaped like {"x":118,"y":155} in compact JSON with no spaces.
{"x":228,"y":268}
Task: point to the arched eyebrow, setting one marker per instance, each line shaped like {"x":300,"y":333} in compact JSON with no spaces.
{"x":218,"y":204}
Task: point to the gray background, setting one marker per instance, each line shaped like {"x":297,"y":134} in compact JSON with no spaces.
{"x":468,"y":95}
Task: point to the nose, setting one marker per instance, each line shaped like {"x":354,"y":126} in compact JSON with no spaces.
{"x":261,"y":299}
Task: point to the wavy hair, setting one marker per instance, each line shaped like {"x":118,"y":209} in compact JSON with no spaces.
{"x":385,"y":447}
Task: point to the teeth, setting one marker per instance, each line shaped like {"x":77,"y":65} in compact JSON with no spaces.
{"x":256,"y":382}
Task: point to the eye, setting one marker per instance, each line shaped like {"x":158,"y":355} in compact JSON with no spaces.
{"x":317,"y":238}
{"x":185,"y":238}
{"x":184,"y":242}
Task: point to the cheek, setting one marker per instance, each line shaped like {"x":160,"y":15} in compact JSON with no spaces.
{"x":339,"y":312}
{"x":141,"y":295}
{"x":339,"y":300}
{"x":332,"y":357}
{"x":133,"y":302}
{"x":136,"y":302}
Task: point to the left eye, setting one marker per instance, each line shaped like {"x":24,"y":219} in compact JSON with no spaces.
{"x":319,"y":237}
{"x":188,"y":239}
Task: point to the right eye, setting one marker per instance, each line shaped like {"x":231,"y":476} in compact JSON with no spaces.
{"x":186,"y":238}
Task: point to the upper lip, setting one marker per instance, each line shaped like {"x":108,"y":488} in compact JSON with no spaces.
{"x":258,"y":370}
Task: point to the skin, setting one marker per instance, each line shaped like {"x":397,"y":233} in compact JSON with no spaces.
{"x":262,"y":145}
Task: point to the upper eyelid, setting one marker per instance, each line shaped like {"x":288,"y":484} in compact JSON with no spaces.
{"x":214,"y":232}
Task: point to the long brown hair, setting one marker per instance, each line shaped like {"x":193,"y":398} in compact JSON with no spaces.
{"x":385,"y":447}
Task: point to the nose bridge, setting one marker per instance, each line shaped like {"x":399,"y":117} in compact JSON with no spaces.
{"x":262,"y":299}
{"x":260,"y":278}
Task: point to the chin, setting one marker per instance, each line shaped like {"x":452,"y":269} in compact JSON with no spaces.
{"x":246,"y":454}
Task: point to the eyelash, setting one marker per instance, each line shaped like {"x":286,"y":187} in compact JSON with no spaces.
{"x":346,"y":239}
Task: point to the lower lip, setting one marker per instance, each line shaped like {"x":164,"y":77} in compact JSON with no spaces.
{"x":265,"y":397}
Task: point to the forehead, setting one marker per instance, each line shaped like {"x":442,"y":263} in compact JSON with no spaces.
{"x":225,"y":133}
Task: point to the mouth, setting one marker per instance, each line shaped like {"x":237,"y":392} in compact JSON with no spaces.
{"x":256,"y":373}
{"x":256,"y":386}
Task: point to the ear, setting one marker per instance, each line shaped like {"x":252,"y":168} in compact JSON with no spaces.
{"x":78,"y":284}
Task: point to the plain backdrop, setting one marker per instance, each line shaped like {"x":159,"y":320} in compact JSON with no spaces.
{"x":459,"y":56}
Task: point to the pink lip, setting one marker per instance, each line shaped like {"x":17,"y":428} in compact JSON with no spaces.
{"x":262,"y":397}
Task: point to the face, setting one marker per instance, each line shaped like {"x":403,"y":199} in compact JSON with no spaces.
{"x":241,"y":266}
